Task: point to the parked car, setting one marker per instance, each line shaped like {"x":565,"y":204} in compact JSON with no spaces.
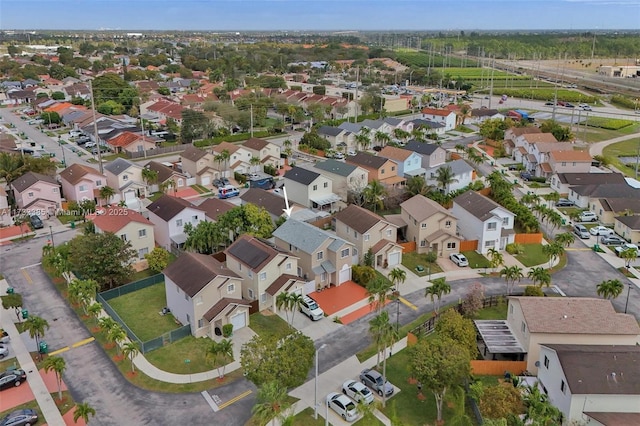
{"x":569,"y":105}
{"x":581,"y":231}
{"x":588,"y":217}
{"x":342,"y":405}
{"x":218,"y":183}
{"x":357,"y":391}
{"x":225,"y":181}
{"x":625,"y":247}
{"x":253,"y":176}
{"x":4,"y":337}
{"x":12,"y":378}
{"x":585,"y":107}
{"x":228,"y":191}
{"x":548,"y":103}
{"x":563,"y":202}
{"x":526,"y":176}
{"x":24,"y":417}
{"x":601,"y":230}
{"x":352,"y":153}
{"x":89,"y":144}
{"x":376,"y":381}
{"x":36,"y":222}
{"x":339,"y":156}
{"x":612,"y":240}
{"x":310,"y":308}
{"x":459,"y":259}
{"x":4,"y":351}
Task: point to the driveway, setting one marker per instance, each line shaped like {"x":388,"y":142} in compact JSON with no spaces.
{"x":90,"y":375}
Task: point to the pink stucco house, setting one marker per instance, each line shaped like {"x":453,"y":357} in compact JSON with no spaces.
{"x":80,"y":183}
{"x":37,"y":194}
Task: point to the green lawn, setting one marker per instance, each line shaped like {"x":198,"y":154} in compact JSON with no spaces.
{"x":172,"y":357}
{"x":476,"y":260}
{"x":622,"y":149}
{"x":413,"y":259}
{"x":270,"y":325}
{"x":140,"y":311}
{"x":493,"y":312}
{"x":68,"y":218}
{"x":532,"y":256}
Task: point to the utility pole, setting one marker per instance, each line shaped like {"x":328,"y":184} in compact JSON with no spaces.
{"x":356,"y":97}
{"x":144,"y":150}
{"x":555,"y":92}
{"x":95,"y":127}
{"x":493,"y":68}
{"x":251,"y":120}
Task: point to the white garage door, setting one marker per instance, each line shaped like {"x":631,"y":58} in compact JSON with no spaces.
{"x":239,"y":321}
{"x":394,"y":258}
{"x":206,"y":180}
{"x":345,"y":274}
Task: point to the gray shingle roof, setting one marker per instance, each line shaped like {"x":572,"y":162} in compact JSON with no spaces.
{"x":351,"y":127}
{"x":330,"y":131}
{"x":373,"y":124}
{"x":477,"y":204}
{"x":304,"y":236}
{"x":458,"y":167}
{"x":421,"y":147}
{"x":622,"y":190}
{"x":119,"y":165}
{"x":632,"y":222}
{"x":336,"y":167}
{"x":300,"y":175}
{"x":418,"y":122}
{"x":393,"y":121}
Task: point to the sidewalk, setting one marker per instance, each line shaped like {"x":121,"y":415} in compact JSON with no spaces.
{"x":47,"y":406}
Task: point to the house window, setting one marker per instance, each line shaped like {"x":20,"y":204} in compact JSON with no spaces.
{"x":447,"y":224}
{"x":523,"y":327}
{"x":250,"y":273}
{"x":344,"y":253}
{"x":198,"y":300}
{"x":231,"y":288}
{"x":82,"y":188}
{"x":194,"y":219}
{"x":142,"y":252}
{"x":263,"y":276}
{"x":382,"y":171}
{"x":563,"y":386}
{"x":393,"y":168}
{"x":451,"y":246}
{"x":180,"y":183}
{"x":320,"y":255}
{"x":491,"y":226}
{"x":178,"y":222}
{"x":315,"y":187}
{"x":98,"y":183}
{"x":240,"y":266}
{"x":505,"y":221}
{"x":287,"y":267}
{"x":546,"y":361}
{"x":423,"y":243}
{"x":142,"y":233}
{"x":573,"y":164}
{"x":564,"y":163}
{"x":251,"y":294}
{"x":125,"y":178}
{"x":489,"y":243}
{"x":366,"y":237}
{"x":263,"y":298}
{"x":186,"y":296}
{"x":299,"y":271}
{"x":123,"y":237}
{"x":389,"y":232}
{"x":326,"y":184}
{"x":55,"y":190}
{"x":30,"y":194}
{"x":200,"y":323}
{"x":423,"y":225}
{"x":323,"y":277}
{"x":354,"y":251}
{"x":355,"y":234}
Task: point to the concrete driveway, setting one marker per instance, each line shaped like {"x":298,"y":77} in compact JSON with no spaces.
{"x":90,"y":375}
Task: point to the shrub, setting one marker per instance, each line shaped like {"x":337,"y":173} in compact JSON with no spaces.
{"x":533,"y":290}
{"x":227,"y":330}
{"x":240,"y":178}
{"x":270,"y":170}
{"x":362,"y":274}
{"x":514,"y":248}
{"x":623,"y":101}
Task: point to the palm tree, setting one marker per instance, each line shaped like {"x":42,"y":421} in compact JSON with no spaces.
{"x":565,"y":238}
{"x":83,"y":410}
{"x":397,"y":276}
{"x":36,"y":327}
{"x":374,"y":194}
{"x":272,"y":402}
{"x":222,"y":354}
{"x":223,"y":157}
{"x":628,"y":255}
{"x":553,"y":251}
{"x":116,"y":334}
{"x":362,"y":141}
{"x":378,"y":291}
{"x":106,"y":323}
{"x":445,"y":177}
{"x":530,"y":199}
{"x":381,"y":137}
{"x":552,"y":197}
{"x":539,"y":276}
{"x":401,"y":134}
{"x":495,"y":258}
{"x":539,"y":410}
{"x":282,"y":303}
{"x":130,"y":350}
{"x":439,"y":287}
{"x":511,"y":274}
{"x":58,"y":365}
{"x":417,"y":185}
{"x":610,"y":289}
{"x":94,"y":310}
{"x":384,"y":334}
{"x":295,"y":299}
{"x":106,"y":192}
{"x":254,"y":161}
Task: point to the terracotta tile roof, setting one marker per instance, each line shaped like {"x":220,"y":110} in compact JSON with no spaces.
{"x":224,"y":303}
{"x":116,"y":218}
{"x":434,"y":111}
{"x":75,"y":172}
{"x":578,"y":156}
{"x":124,"y":139}
{"x":193,"y":271}
{"x":358,"y":218}
{"x":575,"y":315}
{"x":545,"y":167}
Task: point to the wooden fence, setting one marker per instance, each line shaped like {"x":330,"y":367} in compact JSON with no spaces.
{"x":468,"y":245}
{"x":408,"y":247}
{"x":497,"y":368}
{"x":324,"y":223}
{"x":528,"y":238}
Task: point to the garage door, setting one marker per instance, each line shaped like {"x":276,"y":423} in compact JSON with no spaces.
{"x":394,"y":258}
{"x":206,"y":180}
{"x":239,"y":320}
{"x":345,"y":274}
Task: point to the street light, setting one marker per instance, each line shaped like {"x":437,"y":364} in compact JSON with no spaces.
{"x":626,"y":305}
{"x":315,"y":405}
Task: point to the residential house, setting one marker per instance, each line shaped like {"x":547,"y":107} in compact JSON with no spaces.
{"x":272,"y":203}
{"x":480,"y":218}
{"x":345,"y":177}
{"x":4,"y":203}
{"x":608,"y":208}
{"x":567,"y":320}
{"x":443,"y":116}
{"x":430,"y":126}
{"x":131,"y":142}
{"x":566,"y":162}
{"x":379,"y":168}
{"x":130,"y":226}
{"x":239,"y":159}
{"x":510,"y":136}
{"x":592,"y":384}
{"x":323,"y":259}
{"x":213,"y":208}
{"x":310,"y":189}
{"x":37,"y":194}
{"x":163,"y":110}
{"x":204,"y":294}
{"x":338,"y":138}
{"x":198,"y":163}
{"x":432,"y":154}
{"x":168,"y":177}
{"x":80,"y":183}
{"x":562,"y":182}
{"x":169,"y":215}
{"x":125,"y":177}
{"x":428,"y":224}
{"x":480,"y":115}
{"x":463,"y":174}
{"x":366,"y":230}
{"x":585,"y":195}
{"x":407,"y":161}
{"x":628,"y":227}
{"x":260,"y":264}
{"x":399,"y":123}
{"x":268,"y":153}
{"x":378,"y":126}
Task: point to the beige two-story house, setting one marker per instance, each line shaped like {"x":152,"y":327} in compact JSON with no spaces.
{"x":130,"y":226}
{"x":198,"y":163}
{"x":345,"y":177}
{"x":268,"y":153}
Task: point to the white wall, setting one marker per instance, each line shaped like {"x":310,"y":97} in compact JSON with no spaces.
{"x":180,"y":307}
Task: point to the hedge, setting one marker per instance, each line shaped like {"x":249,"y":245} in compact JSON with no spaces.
{"x":548,"y":94}
{"x":231,"y":138}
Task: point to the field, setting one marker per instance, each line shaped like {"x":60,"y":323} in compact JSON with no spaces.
{"x":627,"y":148}
{"x":421,"y":59}
{"x":608,"y":123}
{"x":548,"y":94}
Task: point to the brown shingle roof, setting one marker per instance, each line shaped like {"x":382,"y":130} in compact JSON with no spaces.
{"x":519,"y":131}
{"x":255,"y":144}
{"x":75,"y":172}
{"x":167,"y":207}
{"x":477,"y":204}
{"x":614,"y":418}
{"x":192,"y":153}
{"x":367,"y":160}
{"x":393,"y":153}
{"x":358,"y":218}
{"x":28,"y":179}
{"x":421,"y":208}
{"x":164,"y":172}
{"x":581,"y":156}
{"x":217,"y":309}
{"x":600,"y":369}
{"x":575,"y":315}
{"x":193,"y":271}
{"x":632,"y":222}
{"x":590,"y":178}
{"x":116,"y":218}
{"x":280,"y":282}
{"x":225,"y":145}
{"x":272,"y":203}
{"x":539,"y":137}
{"x":214,"y":207}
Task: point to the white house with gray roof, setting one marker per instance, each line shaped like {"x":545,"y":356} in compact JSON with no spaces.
{"x":324,"y":259}
{"x":345,"y":177}
{"x":125,"y":177}
{"x":480,"y":218}
{"x":310,"y":189}
{"x":337,"y":137}
{"x":462,"y":175}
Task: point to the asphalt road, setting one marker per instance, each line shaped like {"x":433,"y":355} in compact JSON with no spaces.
{"x":90,"y":375}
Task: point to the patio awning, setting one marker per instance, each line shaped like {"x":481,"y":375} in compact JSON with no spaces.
{"x":179,"y":238}
{"x":546,"y":167}
{"x":417,"y":172}
{"x":325,"y":266}
{"x":498,"y":337}
{"x":326,"y":199}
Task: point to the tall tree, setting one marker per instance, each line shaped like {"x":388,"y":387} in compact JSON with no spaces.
{"x":539,"y":276}
{"x":438,"y":288}
{"x":495,"y":258}
{"x":13,"y":301}
{"x":106,"y":192}
{"x":397,"y":277}
{"x":374,"y":194}
{"x":453,"y":325}
{"x":565,"y":238}
{"x":417,"y":185}
{"x":36,"y":327}
{"x":553,"y":251}
{"x":511,"y":274}
{"x":56,"y":364}
{"x":378,"y":290}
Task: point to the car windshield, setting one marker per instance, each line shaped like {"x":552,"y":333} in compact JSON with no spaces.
{"x":312,"y":305}
{"x":379,"y":381}
{"x":350,"y":406}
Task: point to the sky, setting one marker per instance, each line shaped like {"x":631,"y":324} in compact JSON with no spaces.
{"x":258,"y":15}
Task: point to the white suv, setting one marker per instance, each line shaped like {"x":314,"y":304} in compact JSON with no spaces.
{"x":310,"y":308}
{"x":588,"y":217}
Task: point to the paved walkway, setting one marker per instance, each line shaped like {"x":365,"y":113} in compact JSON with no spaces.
{"x":596,"y":148}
